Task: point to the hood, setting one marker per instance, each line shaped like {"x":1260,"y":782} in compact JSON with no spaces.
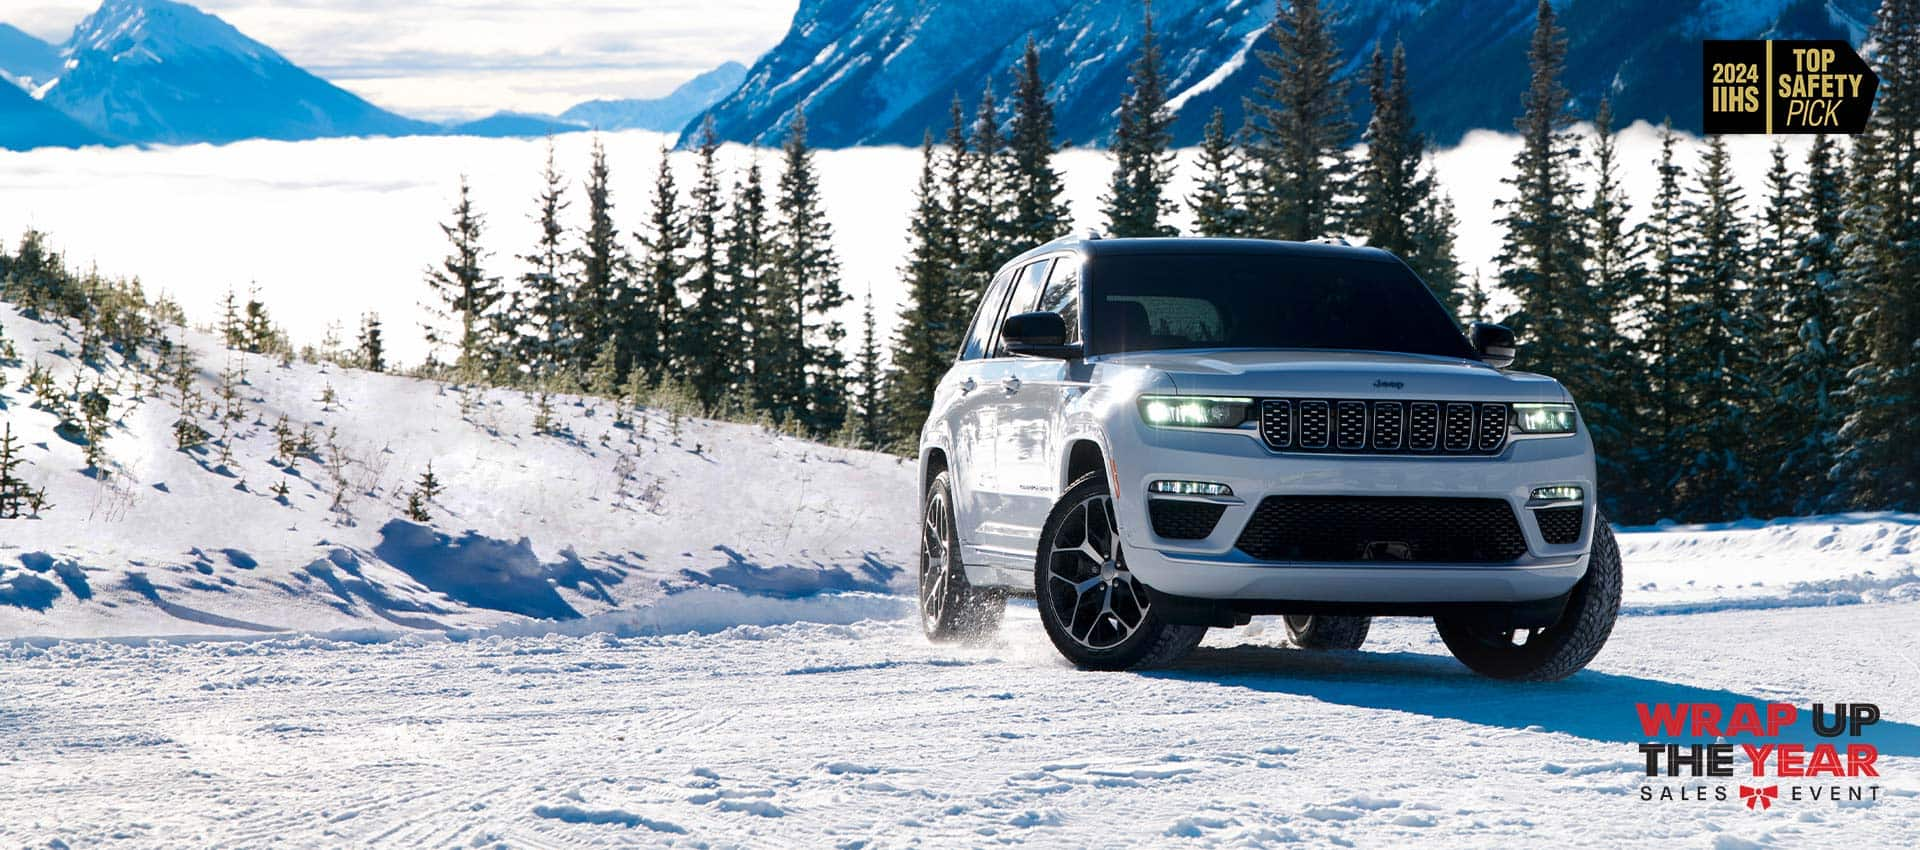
{"x":1341,"y":374}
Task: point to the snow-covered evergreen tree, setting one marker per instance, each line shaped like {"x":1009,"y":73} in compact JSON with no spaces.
{"x":1298,"y":128}
{"x":606,"y":272}
{"x":1879,"y":461}
{"x":1714,"y":362}
{"x":923,"y":345}
{"x":869,"y":383}
{"x":1137,"y":203}
{"x":814,"y":393}
{"x":463,"y":292}
{"x":1812,"y":371}
{"x":706,"y":341}
{"x":651,"y":310}
{"x":1541,"y":255}
{"x":1219,"y":201}
{"x":547,"y":341}
{"x":749,"y":271}
{"x":372,"y":350}
{"x":1611,"y":387}
{"x":1039,"y":213}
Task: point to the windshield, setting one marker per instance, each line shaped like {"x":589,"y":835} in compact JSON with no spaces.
{"x":1156,"y":302}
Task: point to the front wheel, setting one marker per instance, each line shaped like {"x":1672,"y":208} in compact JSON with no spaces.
{"x":1096,"y":613}
{"x":1557,"y":651}
{"x":951,"y":608}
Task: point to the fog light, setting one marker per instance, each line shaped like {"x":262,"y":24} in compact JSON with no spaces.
{"x":1558,"y":493}
{"x":1190,"y":488}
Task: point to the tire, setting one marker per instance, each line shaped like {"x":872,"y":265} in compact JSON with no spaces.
{"x":950,"y":608}
{"x":1096,"y":613}
{"x":1319,"y":631}
{"x":1559,"y":650}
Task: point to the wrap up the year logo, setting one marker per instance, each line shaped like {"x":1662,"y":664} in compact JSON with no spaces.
{"x":1760,"y":744}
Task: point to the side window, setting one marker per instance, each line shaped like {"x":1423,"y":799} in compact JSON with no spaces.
{"x":1062,"y":296}
{"x":984,"y":320}
{"x":1026,"y":293}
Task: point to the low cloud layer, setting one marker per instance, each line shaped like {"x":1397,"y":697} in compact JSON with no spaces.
{"x":462,"y":58}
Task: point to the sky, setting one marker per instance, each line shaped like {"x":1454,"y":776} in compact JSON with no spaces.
{"x":440,"y":59}
{"x":330,"y":228}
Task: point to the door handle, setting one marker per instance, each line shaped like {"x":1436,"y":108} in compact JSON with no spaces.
{"x":1011,"y":384}
{"x":967,"y":386}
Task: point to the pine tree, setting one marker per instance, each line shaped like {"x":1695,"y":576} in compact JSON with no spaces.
{"x":1540,"y":257}
{"x":1612,"y":393}
{"x":1389,"y":176}
{"x":1218,"y":203}
{"x":1715,"y":367}
{"x":371,"y":344}
{"x":652,"y":312}
{"x":1136,"y":202}
{"x":749,"y":269}
{"x":606,"y":271}
{"x":1879,"y":461}
{"x":984,"y":167}
{"x":1401,"y":208}
{"x":232,"y":333}
{"x":1039,"y":213}
{"x":17,"y":498}
{"x":463,"y":292}
{"x":1299,"y":127}
{"x":705,"y":342}
{"x":1814,"y":368}
{"x":1667,"y":237}
{"x":869,"y":383}
{"x":814,"y":393}
{"x":923,"y":345}
{"x":425,"y":490}
{"x":258,"y":333}
{"x":547,"y":340}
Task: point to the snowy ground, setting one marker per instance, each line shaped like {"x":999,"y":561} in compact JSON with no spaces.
{"x":558,"y":659}
{"x":867,"y":736}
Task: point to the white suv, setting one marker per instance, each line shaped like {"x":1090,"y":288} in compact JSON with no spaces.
{"x":1155,"y":436}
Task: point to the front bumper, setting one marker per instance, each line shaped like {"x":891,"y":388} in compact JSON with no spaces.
{"x":1212,"y":568}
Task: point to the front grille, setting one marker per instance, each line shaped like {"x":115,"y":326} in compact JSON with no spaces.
{"x":1359,"y":528}
{"x":1383,"y":427}
{"x":1179,"y":519}
{"x":1560,"y":526}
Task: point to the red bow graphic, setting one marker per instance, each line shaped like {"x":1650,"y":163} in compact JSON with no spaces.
{"x":1761,"y":798}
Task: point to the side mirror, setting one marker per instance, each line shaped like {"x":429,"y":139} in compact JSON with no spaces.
{"x":1041,"y":334}
{"x":1494,"y":343}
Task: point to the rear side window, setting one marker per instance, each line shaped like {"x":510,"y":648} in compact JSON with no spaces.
{"x":1062,"y":296}
{"x":982,"y":330}
{"x":1026,"y":293}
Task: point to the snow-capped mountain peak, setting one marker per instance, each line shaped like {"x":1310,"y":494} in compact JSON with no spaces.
{"x":151,"y":30}
{"x":163,"y":71}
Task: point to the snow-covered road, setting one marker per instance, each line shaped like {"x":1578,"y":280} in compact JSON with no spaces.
{"x":867,"y":736}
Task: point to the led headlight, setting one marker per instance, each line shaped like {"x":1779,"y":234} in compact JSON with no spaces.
{"x":1190,"y":411}
{"x":1543,"y":418}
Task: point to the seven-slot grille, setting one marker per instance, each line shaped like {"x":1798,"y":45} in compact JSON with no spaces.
{"x":1383,"y":427}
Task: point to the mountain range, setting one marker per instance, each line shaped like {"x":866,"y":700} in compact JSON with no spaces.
{"x":885,"y":71}
{"x":165,"y":72}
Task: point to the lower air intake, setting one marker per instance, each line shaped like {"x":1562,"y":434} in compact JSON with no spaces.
{"x":1360,"y":528}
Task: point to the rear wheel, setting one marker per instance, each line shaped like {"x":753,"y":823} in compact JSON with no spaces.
{"x":1557,"y":651}
{"x":1096,"y":613}
{"x":950,"y":607}
{"x":1317,"y":631}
